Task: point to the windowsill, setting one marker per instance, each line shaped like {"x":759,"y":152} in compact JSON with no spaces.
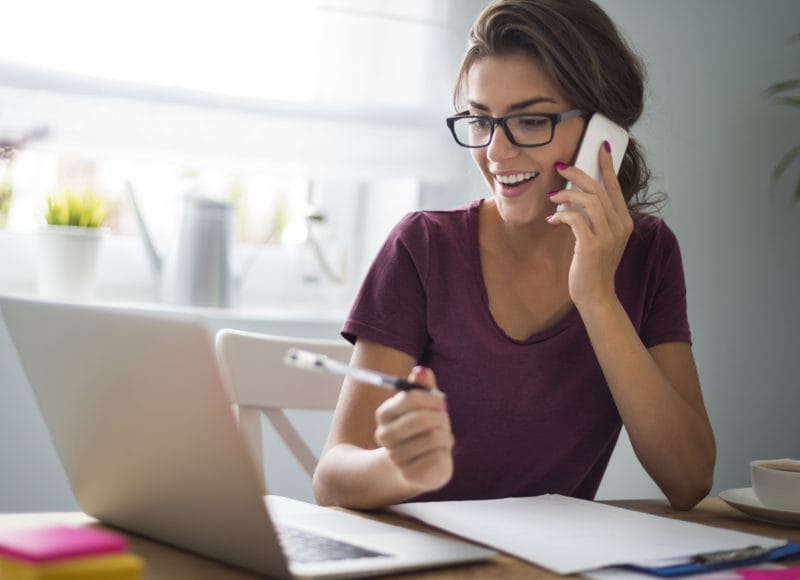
{"x":125,"y":280}
{"x":306,"y":314}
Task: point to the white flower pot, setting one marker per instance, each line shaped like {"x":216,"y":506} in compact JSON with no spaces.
{"x":67,"y":262}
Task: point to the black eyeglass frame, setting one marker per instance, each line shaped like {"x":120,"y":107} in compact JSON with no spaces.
{"x":555,"y":119}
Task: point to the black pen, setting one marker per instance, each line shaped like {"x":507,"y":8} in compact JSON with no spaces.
{"x":319,"y":362}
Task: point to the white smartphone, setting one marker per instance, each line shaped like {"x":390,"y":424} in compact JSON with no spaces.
{"x":599,"y":128}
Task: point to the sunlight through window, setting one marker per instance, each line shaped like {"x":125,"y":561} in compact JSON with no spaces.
{"x":247,"y":48}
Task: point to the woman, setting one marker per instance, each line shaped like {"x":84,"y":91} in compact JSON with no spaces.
{"x":547,"y":332}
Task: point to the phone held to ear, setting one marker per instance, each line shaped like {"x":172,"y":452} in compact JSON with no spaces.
{"x":599,"y":128}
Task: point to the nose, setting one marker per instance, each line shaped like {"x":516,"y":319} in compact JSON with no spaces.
{"x":500,"y":147}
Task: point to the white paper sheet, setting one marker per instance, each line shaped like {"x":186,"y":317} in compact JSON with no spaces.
{"x":568,"y":535}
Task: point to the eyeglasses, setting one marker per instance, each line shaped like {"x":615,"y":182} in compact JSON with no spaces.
{"x":523,"y":130}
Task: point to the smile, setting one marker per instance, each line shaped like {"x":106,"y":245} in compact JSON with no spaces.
{"x":515,"y":178}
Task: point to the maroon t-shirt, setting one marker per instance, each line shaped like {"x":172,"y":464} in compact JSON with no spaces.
{"x":532,"y":416}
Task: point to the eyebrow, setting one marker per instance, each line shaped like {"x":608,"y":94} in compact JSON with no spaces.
{"x":516,"y":106}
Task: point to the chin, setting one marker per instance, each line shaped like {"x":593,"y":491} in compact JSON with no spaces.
{"x":520,"y":212}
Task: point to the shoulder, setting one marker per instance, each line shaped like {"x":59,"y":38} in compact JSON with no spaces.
{"x":423,"y":225}
{"x":652,"y":249}
{"x":651,"y":232}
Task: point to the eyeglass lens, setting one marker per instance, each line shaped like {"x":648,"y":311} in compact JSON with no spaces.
{"x":525,"y":129}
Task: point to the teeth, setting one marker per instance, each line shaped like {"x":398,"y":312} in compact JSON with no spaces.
{"x":512,"y":179}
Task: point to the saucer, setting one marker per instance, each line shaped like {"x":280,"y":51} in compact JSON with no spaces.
{"x":744,"y":499}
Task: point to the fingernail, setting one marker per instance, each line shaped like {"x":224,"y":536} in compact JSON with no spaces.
{"x":552,"y":193}
{"x":607,"y":146}
{"x":420,"y":371}
{"x":561,"y":166}
{"x":549,"y":216}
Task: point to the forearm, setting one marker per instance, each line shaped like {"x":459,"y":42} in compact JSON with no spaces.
{"x":670,"y":435}
{"x":353,"y":477}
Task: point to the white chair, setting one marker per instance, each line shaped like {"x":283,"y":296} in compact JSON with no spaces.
{"x":252,"y":365}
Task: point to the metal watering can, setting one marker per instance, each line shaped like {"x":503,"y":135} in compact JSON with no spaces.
{"x":202,"y":269}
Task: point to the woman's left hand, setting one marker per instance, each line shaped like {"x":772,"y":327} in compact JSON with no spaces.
{"x":599,"y":246}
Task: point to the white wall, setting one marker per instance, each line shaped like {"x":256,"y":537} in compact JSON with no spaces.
{"x":712,"y":140}
{"x":31,"y":477}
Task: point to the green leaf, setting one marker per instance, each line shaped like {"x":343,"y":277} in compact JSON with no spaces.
{"x":84,"y":209}
{"x":782,"y":87}
{"x":6,"y":193}
{"x":785,"y":162}
{"x":789,"y":101}
{"x":797,"y":191}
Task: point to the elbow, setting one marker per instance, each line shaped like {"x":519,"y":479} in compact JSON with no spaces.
{"x":695,"y":480}
{"x":686,"y":499}
{"x":689,"y":492}
{"x":321,"y":490}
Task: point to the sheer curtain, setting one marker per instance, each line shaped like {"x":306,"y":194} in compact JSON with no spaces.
{"x":263,"y":100}
{"x":337,"y":87}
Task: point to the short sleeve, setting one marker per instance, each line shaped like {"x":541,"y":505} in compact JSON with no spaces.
{"x":666,"y":318}
{"x":390,"y":307}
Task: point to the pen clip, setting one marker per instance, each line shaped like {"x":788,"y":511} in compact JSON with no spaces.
{"x":305,"y":359}
{"x":728,"y":556}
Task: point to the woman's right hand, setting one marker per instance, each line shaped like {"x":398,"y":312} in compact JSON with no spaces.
{"x":414,"y":428}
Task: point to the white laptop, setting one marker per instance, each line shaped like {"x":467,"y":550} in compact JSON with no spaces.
{"x":144,"y":427}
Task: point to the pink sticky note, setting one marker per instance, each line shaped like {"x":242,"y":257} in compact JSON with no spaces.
{"x":39,"y":545}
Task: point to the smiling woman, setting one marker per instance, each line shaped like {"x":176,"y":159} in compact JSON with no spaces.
{"x":548,"y":333}
{"x":709,"y":134}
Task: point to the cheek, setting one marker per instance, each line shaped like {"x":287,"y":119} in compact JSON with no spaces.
{"x":570,"y":143}
{"x":479,"y":157}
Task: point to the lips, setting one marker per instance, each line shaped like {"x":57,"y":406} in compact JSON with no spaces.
{"x":515,"y":178}
{"x":513,"y":184}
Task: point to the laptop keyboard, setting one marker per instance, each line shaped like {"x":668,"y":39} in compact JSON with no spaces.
{"x":304,"y":546}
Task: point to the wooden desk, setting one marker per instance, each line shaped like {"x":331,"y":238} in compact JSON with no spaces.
{"x":166,"y":563}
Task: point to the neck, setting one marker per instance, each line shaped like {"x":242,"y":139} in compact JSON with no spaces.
{"x":538,"y":242}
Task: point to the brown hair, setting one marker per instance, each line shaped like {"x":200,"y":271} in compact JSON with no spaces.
{"x":584,"y":53}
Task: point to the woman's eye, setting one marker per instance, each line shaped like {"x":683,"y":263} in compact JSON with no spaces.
{"x":480,"y":123}
{"x":532,"y":122}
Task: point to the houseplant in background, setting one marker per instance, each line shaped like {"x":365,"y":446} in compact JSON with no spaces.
{"x":787,"y":93}
{"x":70,"y":245}
{"x":10,"y":141}
{"x":6,"y":192}
{"x":6,"y":186}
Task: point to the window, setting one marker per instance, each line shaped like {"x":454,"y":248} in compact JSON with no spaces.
{"x":271,"y":103}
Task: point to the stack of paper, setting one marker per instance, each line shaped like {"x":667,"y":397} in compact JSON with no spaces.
{"x":569,"y":536}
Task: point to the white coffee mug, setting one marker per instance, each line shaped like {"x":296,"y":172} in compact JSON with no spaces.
{"x":776,"y":483}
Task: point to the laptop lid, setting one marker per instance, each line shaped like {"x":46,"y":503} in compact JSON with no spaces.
{"x":145,"y":429}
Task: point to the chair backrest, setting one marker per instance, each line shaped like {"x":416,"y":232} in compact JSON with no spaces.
{"x":252,"y":365}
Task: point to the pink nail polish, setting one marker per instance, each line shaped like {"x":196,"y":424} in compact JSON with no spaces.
{"x":421,"y":371}
{"x":552,"y":193}
{"x":607,"y":146}
{"x":561,"y":166}
{"x":549,"y":216}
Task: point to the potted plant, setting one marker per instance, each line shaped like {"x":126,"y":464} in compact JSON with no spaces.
{"x":6,"y":186}
{"x":6,"y":192}
{"x":787,"y":93}
{"x":70,"y":245}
